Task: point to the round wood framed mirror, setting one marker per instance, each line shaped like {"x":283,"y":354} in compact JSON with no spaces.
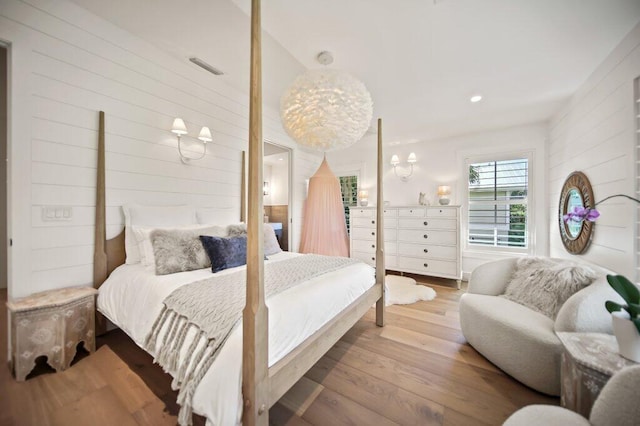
{"x":576,"y":192}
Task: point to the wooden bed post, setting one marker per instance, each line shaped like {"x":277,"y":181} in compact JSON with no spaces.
{"x":255,"y":317}
{"x":100,"y":253}
{"x":243,"y":189}
{"x":380,"y":268}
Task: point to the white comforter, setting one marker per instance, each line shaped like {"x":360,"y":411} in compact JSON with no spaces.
{"x":132,"y":299}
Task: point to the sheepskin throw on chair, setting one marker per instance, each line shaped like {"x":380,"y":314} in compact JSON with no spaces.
{"x":324,"y":230}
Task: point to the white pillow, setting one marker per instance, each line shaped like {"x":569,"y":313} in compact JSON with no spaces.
{"x":152,"y":216}
{"x":145,"y":247}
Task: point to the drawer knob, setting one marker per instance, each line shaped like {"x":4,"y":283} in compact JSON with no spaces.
{"x":426,"y":236}
{"x":426,"y":250}
{"x":373,"y":233}
{"x":426,"y":265}
{"x":373,"y":222}
{"x":425,"y":223}
{"x":373,"y":246}
{"x":373,"y":258}
{"x":410,"y":211}
{"x":440,"y":211}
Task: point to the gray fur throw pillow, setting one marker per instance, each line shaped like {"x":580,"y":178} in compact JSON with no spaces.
{"x":544,"y":284}
{"x":177,"y":250}
{"x":271,"y":245}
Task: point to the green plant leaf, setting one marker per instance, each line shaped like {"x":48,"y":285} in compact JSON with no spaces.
{"x":636,"y":321}
{"x":634,"y":310}
{"x":613,"y":306}
{"x":625,"y":288}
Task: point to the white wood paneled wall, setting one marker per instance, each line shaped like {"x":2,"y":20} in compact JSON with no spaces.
{"x":595,"y":134}
{"x":68,"y":64}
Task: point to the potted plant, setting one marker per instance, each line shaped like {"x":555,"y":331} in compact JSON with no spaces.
{"x":626,"y":318}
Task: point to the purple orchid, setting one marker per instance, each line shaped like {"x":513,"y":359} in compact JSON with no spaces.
{"x":580,"y":214}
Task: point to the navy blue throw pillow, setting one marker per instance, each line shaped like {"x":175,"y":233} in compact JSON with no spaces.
{"x":225,"y":252}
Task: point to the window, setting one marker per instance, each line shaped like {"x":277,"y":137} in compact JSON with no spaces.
{"x":349,"y":189}
{"x":498,"y":213}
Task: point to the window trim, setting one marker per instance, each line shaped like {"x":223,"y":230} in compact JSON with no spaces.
{"x":469,"y":159}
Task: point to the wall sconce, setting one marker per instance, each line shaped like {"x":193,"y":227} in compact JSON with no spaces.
{"x":443,"y":193}
{"x":395,"y":161}
{"x":265,"y":188}
{"x":364,"y":198}
{"x":179,"y":128}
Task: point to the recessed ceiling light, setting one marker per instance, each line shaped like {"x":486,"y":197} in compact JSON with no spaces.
{"x":476,"y":98}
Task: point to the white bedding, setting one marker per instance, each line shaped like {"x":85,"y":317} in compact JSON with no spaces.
{"x":132,"y":299}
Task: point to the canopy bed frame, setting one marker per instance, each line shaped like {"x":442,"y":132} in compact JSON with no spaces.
{"x":262,"y":386}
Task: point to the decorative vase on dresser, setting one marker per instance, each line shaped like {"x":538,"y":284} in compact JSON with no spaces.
{"x":418,"y":239}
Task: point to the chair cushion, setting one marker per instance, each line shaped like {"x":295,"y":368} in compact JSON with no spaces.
{"x":517,"y":339}
{"x":547,"y":415}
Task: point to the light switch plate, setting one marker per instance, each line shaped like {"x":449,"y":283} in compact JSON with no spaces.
{"x":57,"y":213}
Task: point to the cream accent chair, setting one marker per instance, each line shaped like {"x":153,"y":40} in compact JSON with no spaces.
{"x":520,"y":341}
{"x":616,"y":405}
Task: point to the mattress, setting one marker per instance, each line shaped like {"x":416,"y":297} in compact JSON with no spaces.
{"x":132,"y":299}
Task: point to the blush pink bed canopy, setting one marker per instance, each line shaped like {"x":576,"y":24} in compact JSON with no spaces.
{"x":324,"y":229}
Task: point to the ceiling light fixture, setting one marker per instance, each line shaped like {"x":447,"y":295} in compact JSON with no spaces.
{"x":326,"y":109}
{"x":476,"y":98}
{"x":202,"y":64}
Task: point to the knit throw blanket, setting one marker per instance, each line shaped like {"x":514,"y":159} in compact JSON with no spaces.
{"x":208,"y":310}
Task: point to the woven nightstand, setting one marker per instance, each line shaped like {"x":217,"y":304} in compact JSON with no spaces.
{"x":51,"y":323}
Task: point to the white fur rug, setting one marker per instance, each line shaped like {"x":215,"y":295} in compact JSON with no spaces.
{"x":404,"y":291}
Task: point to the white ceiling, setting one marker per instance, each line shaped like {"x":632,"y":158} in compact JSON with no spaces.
{"x":420,"y":59}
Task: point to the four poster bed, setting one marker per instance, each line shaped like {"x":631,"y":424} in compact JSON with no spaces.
{"x":265,"y":355}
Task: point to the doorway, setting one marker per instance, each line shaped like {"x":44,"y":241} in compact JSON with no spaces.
{"x":277,"y":191}
{"x":4,"y":102}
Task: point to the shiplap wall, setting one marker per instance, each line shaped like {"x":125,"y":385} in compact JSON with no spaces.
{"x":66,"y":65}
{"x":595,"y":134}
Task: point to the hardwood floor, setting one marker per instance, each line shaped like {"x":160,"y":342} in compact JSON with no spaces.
{"x":415,"y":370}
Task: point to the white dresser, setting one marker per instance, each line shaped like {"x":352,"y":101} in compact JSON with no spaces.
{"x":418,"y":239}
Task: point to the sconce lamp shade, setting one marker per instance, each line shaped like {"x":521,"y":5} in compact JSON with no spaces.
{"x":444,"y":190}
{"x":265,"y":188}
{"x":395,"y":160}
{"x":205,"y":135}
{"x":412,"y":158}
{"x":179,"y":128}
{"x":363,"y":195}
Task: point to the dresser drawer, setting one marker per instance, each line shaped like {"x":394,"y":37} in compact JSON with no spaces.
{"x":370,"y":222}
{"x":389,"y":213}
{"x":412,"y":212}
{"x":451,"y":212}
{"x":428,"y":266}
{"x":370,"y":259}
{"x":428,"y":251}
{"x":370,"y":234}
{"x":427,"y":223}
{"x":428,"y":237}
{"x":369,"y":246}
{"x":356,"y":212}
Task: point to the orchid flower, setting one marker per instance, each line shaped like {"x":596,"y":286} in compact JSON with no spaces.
{"x":580,"y":214}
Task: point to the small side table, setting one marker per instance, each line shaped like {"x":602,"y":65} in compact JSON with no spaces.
{"x":588,"y":361}
{"x":51,"y":323}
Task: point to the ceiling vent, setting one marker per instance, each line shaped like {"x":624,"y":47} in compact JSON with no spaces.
{"x":199,"y":62}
